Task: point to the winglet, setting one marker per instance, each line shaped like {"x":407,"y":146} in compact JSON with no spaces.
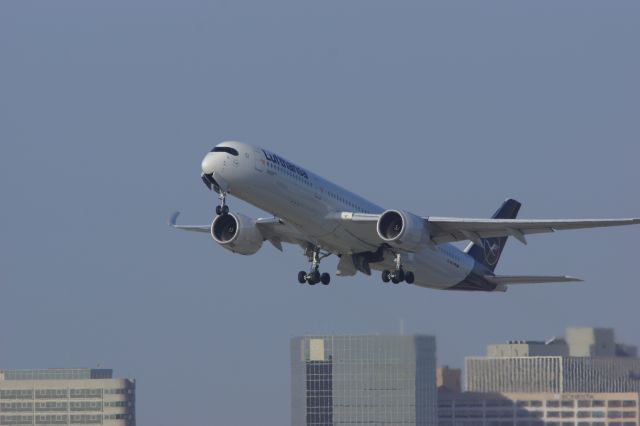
{"x":173,"y":219}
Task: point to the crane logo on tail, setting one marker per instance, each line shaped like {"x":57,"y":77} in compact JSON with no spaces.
{"x":491,"y":250}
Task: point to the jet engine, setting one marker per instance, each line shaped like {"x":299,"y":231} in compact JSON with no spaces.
{"x":402,"y":230}
{"x":237,"y":233}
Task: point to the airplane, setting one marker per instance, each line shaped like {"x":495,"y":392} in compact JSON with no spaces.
{"x":323,"y":219}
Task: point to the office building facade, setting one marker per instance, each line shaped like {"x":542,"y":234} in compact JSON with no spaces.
{"x":588,"y":360}
{"x":552,"y":374}
{"x":354,"y":380}
{"x":66,"y":397}
{"x":538,"y":409}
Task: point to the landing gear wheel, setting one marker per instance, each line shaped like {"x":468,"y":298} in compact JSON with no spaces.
{"x":395,"y":280}
{"x":225,"y":209}
{"x":325,"y":278}
{"x":313,"y":278}
{"x":302,"y":277}
{"x":400,"y":274}
{"x":409,"y":277}
{"x":385,"y":276}
{"x":218,"y":210}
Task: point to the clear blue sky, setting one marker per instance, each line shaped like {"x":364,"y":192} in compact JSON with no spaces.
{"x":442,"y":108}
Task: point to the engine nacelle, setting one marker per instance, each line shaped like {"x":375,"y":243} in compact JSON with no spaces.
{"x":403,"y":230}
{"x":237,"y":233}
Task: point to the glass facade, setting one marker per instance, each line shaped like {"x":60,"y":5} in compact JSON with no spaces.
{"x":319,"y":390}
{"x":353,"y":380}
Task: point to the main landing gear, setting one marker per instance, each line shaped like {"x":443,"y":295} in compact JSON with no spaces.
{"x":314,"y":276}
{"x":222,"y":208}
{"x":398,"y":275}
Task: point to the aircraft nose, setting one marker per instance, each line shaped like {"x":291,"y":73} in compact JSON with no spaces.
{"x":209,"y":164}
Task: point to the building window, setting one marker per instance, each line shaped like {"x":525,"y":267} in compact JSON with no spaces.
{"x":319,"y":389}
{"x":86,"y":393}
{"x":51,"y":393}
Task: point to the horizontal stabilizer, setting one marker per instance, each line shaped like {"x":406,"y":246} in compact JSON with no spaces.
{"x":529,"y":279}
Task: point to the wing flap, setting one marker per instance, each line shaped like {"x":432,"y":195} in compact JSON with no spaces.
{"x":530,"y":279}
{"x":277,"y":232}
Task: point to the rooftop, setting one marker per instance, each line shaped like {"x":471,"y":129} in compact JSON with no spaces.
{"x":57,"y":374}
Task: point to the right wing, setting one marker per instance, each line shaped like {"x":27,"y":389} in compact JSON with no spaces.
{"x":193,"y":228}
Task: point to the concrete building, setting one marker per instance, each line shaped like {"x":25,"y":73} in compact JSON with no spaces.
{"x":355,"y":380}
{"x":552,"y":374}
{"x":593,"y":342}
{"x":538,"y":409}
{"x":66,"y":397}
{"x":586,"y":379}
{"x":585,"y":362}
{"x":448,"y":379}
{"x":557,"y":347}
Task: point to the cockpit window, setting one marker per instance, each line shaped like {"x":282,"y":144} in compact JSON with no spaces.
{"x":226,"y":149}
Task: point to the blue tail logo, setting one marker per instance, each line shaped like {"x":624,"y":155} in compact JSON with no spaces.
{"x":489,"y":252}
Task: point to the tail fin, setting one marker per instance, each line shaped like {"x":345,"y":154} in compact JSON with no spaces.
{"x":489,"y":253}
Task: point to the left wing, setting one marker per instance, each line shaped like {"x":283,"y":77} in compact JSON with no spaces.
{"x":450,"y":229}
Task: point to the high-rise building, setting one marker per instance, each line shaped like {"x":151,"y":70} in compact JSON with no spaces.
{"x":354,"y":380}
{"x":63,"y":396}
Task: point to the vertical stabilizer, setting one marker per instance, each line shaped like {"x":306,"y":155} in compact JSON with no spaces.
{"x":489,"y":252}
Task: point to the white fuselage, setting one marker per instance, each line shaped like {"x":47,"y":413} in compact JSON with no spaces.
{"x":305,"y":201}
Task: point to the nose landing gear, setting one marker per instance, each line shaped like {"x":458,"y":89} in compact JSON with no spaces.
{"x":398,"y":275}
{"x":222,"y":208}
{"x":314,"y":276}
